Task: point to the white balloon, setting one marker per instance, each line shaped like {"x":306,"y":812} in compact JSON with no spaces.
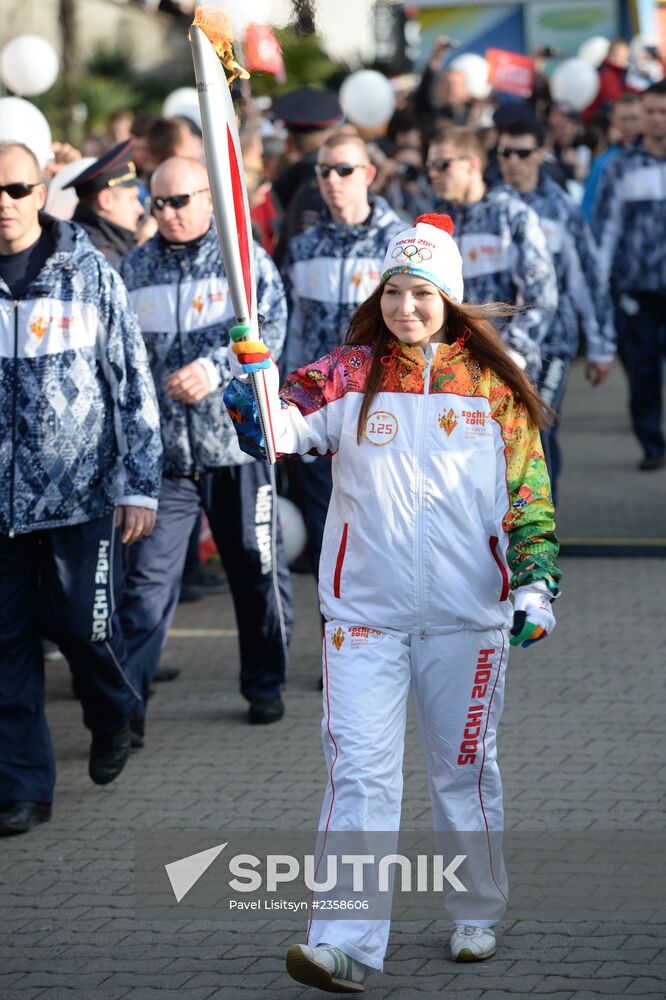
{"x":367,"y":98}
{"x":294,"y":533}
{"x":574,"y":82}
{"x":62,"y":203}
{"x":183,"y":102}
{"x":475,"y":70}
{"x":28,"y":65}
{"x":594,"y":50}
{"x":21,"y":121}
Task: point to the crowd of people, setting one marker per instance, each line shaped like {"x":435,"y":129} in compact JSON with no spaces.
{"x":115,"y":367}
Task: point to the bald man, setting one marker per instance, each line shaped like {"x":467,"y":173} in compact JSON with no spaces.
{"x":179,"y":290}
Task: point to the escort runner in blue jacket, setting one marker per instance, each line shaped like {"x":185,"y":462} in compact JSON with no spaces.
{"x":582,"y":303}
{"x":179,"y":290}
{"x":80,"y":449}
{"x":504,"y":252}
{"x":629,"y":222}
{"x":328,"y":271}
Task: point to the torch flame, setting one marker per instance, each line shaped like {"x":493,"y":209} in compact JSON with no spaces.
{"x":216,"y":25}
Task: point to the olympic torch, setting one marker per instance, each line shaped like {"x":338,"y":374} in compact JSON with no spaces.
{"x":227,"y":188}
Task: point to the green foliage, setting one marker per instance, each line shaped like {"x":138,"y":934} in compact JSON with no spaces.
{"x":305,"y":61}
{"x":153,"y":87}
{"x":103,"y":96}
{"x":54,"y":105}
{"x":113,"y":60}
{"x":109,"y":83}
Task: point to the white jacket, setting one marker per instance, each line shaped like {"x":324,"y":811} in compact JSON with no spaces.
{"x":444,"y":506}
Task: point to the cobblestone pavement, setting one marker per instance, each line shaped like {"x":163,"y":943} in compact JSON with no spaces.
{"x":582,"y":747}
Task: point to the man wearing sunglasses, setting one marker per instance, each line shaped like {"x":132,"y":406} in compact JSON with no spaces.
{"x":581,"y":304}
{"x":81,"y":454}
{"x":328,"y":271}
{"x":178,"y":287}
{"x":505,"y":258}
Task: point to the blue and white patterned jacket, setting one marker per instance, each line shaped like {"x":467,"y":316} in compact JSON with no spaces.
{"x":328,"y":271}
{"x":79,"y":424}
{"x":181,"y":296}
{"x":629,"y":222}
{"x":582,"y":303}
{"x":505,"y":259}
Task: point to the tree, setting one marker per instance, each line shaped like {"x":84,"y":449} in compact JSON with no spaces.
{"x":69,"y":62}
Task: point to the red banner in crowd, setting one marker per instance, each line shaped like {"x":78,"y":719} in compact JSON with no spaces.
{"x":263,"y":53}
{"x":510,"y":72}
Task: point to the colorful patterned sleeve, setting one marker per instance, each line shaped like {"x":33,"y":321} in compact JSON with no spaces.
{"x":529,"y":519}
{"x":307,"y":415}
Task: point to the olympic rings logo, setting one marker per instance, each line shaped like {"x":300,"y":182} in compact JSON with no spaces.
{"x":411,"y":254}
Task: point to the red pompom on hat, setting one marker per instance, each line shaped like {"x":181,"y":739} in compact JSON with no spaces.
{"x":444,"y":222}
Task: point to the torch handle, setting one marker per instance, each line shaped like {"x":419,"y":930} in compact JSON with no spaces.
{"x":230,"y":202}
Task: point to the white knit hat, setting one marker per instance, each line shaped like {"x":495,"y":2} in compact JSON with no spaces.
{"x":428,"y":251}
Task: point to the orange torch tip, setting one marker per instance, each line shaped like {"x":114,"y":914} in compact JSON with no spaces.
{"x":216,"y":26}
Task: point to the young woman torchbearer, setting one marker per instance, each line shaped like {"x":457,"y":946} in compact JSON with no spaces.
{"x":441,"y":512}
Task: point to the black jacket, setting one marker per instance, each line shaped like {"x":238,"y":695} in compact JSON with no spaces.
{"x":111,"y":240}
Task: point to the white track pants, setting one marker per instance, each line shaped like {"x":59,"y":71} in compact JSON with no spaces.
{"x":458,"y":686}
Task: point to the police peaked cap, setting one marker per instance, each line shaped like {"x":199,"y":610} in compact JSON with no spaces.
{"x":114,"y":169}
{"x":308,"y":109}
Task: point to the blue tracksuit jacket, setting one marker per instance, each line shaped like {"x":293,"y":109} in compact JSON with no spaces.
{"x":328,"y":271}
{"x":181,"y":296}
{"x":79,"y":424}
{"x":629,"y":222}
{"x":582,"y":303}
{"x":505,"y":259}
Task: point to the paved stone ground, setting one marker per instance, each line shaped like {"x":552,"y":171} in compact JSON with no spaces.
{"x":601,"y":494}
{"x":582,"y":746}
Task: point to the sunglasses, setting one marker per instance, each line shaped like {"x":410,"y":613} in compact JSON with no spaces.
{"x":441,"y":165}
{"x":175,"y":201}
{"x":522,"y":154}
{"x":18,"y":190}
{"x":341,"y":169}
{"x":408,"y":172}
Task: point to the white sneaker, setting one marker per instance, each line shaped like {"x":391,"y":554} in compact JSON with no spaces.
{"x":325,"y":967}
{"x":472,"y":944}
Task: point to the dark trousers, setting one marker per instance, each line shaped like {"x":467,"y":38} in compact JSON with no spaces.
{"x":61,"y":584}
{"x":241,"y":508}
{"x":640,"y":322}
{"x":192,"y":560}
{"x":313,"y":488}
{"x":552,"y":384}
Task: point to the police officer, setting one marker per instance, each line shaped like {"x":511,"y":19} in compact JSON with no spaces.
{"x":81,"y":457}
{"x":178,"y":287}
{"x":109,"y":208}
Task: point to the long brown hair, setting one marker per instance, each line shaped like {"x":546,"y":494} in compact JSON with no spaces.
{"x":472,"y":324}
